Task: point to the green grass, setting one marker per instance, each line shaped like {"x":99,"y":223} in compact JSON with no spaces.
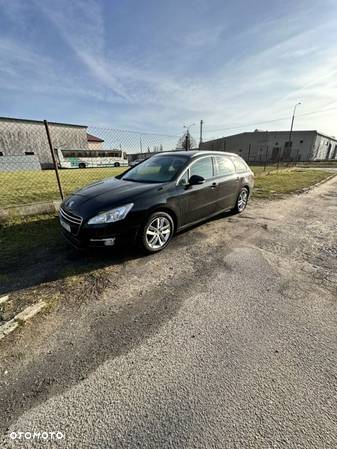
{"x":30,"y":187}
{"x":262,"y":170}
{"x":282,"y":182}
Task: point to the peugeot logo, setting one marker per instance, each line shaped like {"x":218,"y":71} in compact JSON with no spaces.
{"x":70,"y":203}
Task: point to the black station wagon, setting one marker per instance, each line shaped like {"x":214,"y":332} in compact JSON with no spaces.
{"x":160,"y":196}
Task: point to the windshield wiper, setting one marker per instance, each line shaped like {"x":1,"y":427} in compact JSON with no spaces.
{"x":130,"y":179}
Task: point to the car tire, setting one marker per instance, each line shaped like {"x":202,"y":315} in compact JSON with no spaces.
{"x":241,"y":201}
{"x":81,"y":165}
{"x":117,"y":164}
{"x":157,"y":232}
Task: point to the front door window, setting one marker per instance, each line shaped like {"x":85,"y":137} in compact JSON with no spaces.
{"x":203,"y":167}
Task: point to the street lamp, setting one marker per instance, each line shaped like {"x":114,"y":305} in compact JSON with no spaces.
{"x":189,"y":126}
{"x":292,"y":124}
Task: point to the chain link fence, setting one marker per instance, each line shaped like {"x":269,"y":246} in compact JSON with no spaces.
{"x":41,"y":161}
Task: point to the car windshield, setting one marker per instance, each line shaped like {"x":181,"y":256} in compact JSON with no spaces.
{"x":156,"y":169}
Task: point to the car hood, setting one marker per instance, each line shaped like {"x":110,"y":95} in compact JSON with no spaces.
{"x":106,"y":194}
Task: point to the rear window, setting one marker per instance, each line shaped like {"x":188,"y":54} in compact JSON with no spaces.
{"x":240,"y":165}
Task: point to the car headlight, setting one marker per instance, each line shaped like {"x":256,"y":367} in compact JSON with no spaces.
{"x":112,"y":215}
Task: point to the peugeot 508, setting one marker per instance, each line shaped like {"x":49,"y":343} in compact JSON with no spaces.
{"x":160,"y":196}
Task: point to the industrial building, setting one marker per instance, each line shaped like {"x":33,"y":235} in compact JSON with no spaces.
{"x":24,"y":144}
{"x":20,"y":138}
{"x":272,"y":146}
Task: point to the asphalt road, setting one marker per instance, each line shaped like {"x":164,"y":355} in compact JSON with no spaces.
{"x":225,"y":340}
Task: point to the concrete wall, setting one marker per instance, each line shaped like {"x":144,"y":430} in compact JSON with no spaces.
{"x":269,"y":145}
{"x":19,"y":163}
{"x":18,"y":137}
{"x":324,"y":148}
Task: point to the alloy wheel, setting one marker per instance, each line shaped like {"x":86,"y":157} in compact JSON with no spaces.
{"x":158,"y":232}
{"x":242,"y":200}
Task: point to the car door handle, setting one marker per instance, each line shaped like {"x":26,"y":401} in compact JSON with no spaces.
{"x":214,"y":185}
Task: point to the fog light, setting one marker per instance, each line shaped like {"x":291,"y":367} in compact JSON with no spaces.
{"x":109,"y":242}
{"x":105,"y":242}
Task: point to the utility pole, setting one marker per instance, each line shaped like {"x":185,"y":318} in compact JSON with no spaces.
{"x":292,"y":124}
{"x":200,"y":141}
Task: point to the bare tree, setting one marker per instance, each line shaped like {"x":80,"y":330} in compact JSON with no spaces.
{"x":186,"y":142}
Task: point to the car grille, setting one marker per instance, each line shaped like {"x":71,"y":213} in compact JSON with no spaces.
{"x":73,"y":220}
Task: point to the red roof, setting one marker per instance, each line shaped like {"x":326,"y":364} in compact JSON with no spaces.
{"x":91,"y":138}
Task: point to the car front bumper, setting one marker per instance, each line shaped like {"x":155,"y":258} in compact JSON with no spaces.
{"x":103,"y":235}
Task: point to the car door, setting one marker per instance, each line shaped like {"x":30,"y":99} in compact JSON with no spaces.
{"x":227,"y":183}
{"x":198,"y":201}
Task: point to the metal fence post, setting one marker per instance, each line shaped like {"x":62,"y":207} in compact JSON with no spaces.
{"x":278,"y":159}
{"x":266,"y":159}
{"x":53,"y":157}
{"x":296,"y":158}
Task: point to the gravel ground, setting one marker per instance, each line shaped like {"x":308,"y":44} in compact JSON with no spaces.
{"x":225,"y":340}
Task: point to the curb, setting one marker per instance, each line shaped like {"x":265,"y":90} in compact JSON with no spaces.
{"x":28,"y":313}
{"x":4,"y":299}
{"x":49,"y":207}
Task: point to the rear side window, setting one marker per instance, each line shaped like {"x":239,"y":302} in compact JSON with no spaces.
{"x":225,"y":166}
{"x":203,"y":167}
{"x":240,"y":165}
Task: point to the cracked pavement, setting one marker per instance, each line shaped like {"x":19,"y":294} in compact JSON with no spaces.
{"x":227,"y":339}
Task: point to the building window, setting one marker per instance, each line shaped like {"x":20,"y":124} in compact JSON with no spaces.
{"x":29,"y":153}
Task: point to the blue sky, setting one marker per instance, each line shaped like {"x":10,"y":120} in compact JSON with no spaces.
{"x":157,"y":65}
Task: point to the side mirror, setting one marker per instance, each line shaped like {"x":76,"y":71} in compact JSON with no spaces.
{"x":195,"y":180}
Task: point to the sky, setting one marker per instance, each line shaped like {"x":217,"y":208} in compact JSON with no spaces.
{"x":155,"y":66}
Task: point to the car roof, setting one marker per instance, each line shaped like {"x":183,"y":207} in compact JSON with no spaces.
{"x":194,"y":153}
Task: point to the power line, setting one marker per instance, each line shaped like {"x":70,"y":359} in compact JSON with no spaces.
{"x":269,"y":121}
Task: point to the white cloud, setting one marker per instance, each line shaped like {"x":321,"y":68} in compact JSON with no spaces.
{"x":200,"y":38}
{"x":293,"y":59}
